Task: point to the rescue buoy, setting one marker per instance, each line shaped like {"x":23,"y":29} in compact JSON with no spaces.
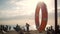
{"x":42,"y":6}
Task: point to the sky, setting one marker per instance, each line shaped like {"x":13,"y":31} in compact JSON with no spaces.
{"x":20,"y":12}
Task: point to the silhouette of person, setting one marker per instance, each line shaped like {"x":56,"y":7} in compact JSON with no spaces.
{"x":27,"y":26}
{"x":17,"y":28}
{"x":6,"y":28}
{"x":52,"y":30}
{"x":9,"y":28}
{"x":58,"y":30}
{"x":1,"y":28}
{"x":48,"y":31}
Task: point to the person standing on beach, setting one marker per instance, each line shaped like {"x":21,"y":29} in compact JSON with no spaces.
{"x":9,"y":28}
{"x":27,"y":27}
{"x":18,"y":29}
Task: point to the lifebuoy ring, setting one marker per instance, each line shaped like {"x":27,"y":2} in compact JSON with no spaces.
{"x":41,"y":6}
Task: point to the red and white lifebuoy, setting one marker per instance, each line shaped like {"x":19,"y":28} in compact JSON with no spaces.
{"x":41,"y":6}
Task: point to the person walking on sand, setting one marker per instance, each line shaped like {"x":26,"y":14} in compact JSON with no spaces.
{"x":27,"y":27}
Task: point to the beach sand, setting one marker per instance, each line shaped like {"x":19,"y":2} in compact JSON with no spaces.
{"x":31,"y":32}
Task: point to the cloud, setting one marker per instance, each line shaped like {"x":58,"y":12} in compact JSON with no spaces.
{"x":31,"y":16}
{"x":18,"y":9}
{"x":12,"y":9}
{"x":8,"y":4}
{"x":11,"y":15}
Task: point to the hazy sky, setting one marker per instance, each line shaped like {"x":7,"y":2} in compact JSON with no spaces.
{"x":21,"y":11}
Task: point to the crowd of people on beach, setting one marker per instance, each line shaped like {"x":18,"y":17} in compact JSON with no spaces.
{"x":4,"y":28}
{"x":20,"y":30}
{"x":17,"y":28}
{"x":50,"y":30}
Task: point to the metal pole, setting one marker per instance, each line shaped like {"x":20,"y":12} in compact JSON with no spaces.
{"x":56,"y":17}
